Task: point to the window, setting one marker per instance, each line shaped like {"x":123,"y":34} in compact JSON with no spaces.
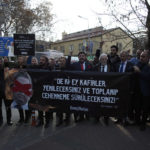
{"x":62,"y":48}
{"x":80,"y":47}
{"x":71,"y":47}
{"x":119,"y":46}
{"x":55,"y":48}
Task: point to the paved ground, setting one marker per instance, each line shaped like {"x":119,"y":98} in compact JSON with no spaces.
{"x":82,"y":136}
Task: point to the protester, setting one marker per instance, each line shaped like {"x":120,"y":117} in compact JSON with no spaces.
{"x":113,"y":57}
{"x":103,"y":66}
{"x":34,"y":64}
{"x":143,"y":72}
{"x":123,"y":66}
{"x":129,"y":56}
{"x":96,"y":58}
{"x":81,"y":65}
{"x":52,"y":63}
{"x":135,"y":60}
{"x":34,"y":61}
{"x":7,"y":102}
{"x":134,"y":114}
{"x":44,"y":64}
{"x":1,"y":88}
{"x":6,"y":60}
{"x":63,"y":66}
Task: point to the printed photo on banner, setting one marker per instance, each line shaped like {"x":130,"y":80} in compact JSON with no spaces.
{"x":18,"y":88}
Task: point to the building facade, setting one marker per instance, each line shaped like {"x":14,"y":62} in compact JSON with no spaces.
{"x":91,"y":39}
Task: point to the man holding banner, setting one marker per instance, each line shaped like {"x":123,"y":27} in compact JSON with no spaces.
{"x":143,"y":71}
{"x":81,"y":65}
{"x":103,"y":66}
{"x":122,"y":67}
{"x":6,"y":74}
{"x":43,"y":64}
{"x":7,"y":102}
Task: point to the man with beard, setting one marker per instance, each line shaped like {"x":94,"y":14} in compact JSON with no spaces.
{"x":63,"y":66}
{"x":81,"y":65}
{"x":43,"y":64}
{"x":143,"y":73}
{"x":113,"y":58}
{"x":102,"y":66}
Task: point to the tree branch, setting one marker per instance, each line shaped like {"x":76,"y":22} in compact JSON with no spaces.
{"x":136,"y":14}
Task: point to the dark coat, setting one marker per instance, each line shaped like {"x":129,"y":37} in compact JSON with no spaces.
{"x":144,"y":78}
{"x":113,"y":60}
{"x":16,"y":65}
{"x":2,"y":82}
{"x":77,"y":66}
{"x":98,"y":68}
{"x":32,"y":67}
{"x":129,"y":67}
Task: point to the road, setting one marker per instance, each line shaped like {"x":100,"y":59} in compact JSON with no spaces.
{"x":81,"y":136}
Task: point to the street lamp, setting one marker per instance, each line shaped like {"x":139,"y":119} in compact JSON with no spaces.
{"x":88,"y":31}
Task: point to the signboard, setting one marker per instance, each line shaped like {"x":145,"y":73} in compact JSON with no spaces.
{"x":6,"y":46}
{"x":24,"y":44}
{"x":82,"y":92}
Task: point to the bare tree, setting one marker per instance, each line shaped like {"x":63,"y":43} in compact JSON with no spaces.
{"x":132,"y":15}
{"x":18,"y":17}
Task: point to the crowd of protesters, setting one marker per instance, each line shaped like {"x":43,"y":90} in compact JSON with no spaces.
{"x":139,"y":108}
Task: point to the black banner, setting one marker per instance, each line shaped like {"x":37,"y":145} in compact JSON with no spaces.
{"x":24,"y":44}
{"x":83,"y":92}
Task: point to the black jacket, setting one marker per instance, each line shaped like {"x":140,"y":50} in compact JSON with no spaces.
{"x":77,"y":66}
{"x":129,"y":67}
{"x":2,"y":82}
{"x":144,"y":78}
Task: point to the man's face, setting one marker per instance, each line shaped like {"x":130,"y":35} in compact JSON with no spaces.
{"x":113,"y":51}
{"x":144,"y":58}
{"x":103,"y":60}
{"x":20,"y":60}
{"x":82,"y":58}
{"x":62,"y":62}
{"x":42,"y":61}
{"x":123,"y":57}
{"x":52,"y":62}
{"x":5,"y":59}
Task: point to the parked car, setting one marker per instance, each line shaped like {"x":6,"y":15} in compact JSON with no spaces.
{"x":49,"y":54}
